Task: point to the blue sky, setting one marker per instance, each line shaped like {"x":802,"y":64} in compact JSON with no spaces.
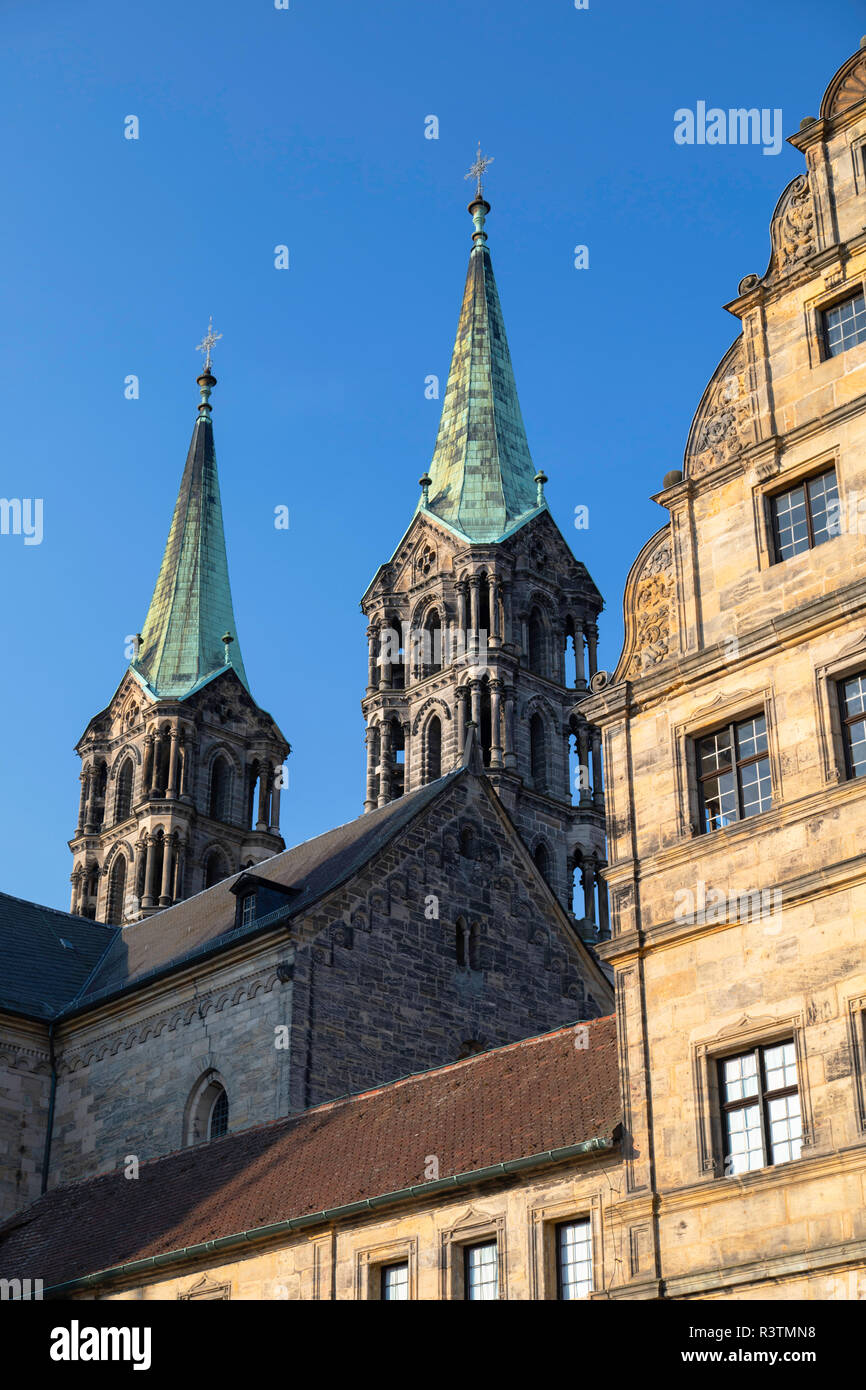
{"x":305,"y":127}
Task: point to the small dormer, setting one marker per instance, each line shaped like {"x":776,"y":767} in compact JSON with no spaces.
{"x":258,"y":897}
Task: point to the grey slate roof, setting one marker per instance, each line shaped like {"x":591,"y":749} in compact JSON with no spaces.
{"x":207,"y":920}
{"x":39,"y":974}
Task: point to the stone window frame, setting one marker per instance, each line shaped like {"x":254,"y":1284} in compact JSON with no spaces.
{"x":371,"y":1260}
{"x":207,"y":1290}
{"x":828,"y":714}
{"x":684,"y":738}
{"x":475,"y":1228}
{"x":817,"y":306}
{"x":544,"y":1218}
{"x":857,"y":146}
{"x":856,"y":1021}
{"x":773,"y":478}
{"x":706,"y":1054}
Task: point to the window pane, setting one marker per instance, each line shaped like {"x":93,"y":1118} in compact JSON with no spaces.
{"x":744,"y":1149}
{"x":756,"y":787}
{"x":822,"y":491}
{"x":857,"y":746}
{"x":752,"y":737}
{"x":789,"y":522}
{"x":395,"y":1282}
{"x":783,"y":1117}
{"x":720,"y":801}
{"x":740,"y":1076}
{"x":219,"y":1117}
{"x":780,"y":1064}
{"x":854,"y":695}
{"x":715,"y":751}
{"x":482,"y":1271}
{"x":845,"y":325}
{"x":574,"y":1259}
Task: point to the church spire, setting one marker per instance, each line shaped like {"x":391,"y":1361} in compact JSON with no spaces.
{"x":482,"y":478}
{"x":183,"y":642}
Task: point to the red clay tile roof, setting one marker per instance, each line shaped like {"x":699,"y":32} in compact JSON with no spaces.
{"x":527,"y":1098}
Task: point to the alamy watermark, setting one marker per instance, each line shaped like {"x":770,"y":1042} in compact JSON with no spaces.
{"x":22,"y":516}
{"x":707,"y":904}
{"x":737,"y":126}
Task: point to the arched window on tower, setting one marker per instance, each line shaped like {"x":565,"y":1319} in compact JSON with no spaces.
{"x":537,"y":662}
{"x":99,"y":790}
{"x":541,"y":858}
{"x":397,"y":653}
{"x":252,"y":783}
{"x":485,"y":732}
{"x":162,"y":751}
{"x":398,"y":756}
{"x":220,"y":789}
{"x":434,"y":749}
{"x":91,"y":892}
{"x":214,"y":869}
{"x":538,"y":752}
{"x":483,"y":612}
{"x":116,"y":892}
{"x":467,"y":842}
{"x":432,"y":645}
{"x":123,"y":796}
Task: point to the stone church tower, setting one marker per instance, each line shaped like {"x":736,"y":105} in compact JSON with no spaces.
{"x":483,"y":615}
{"x":181,"y":773}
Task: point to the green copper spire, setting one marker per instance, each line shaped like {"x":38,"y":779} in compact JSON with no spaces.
{"x":482,"y":478}
{"x":189,"y":634}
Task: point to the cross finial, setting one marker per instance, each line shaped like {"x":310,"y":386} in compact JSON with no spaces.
{"x":482,"y":161}
{"x":207,"y":343}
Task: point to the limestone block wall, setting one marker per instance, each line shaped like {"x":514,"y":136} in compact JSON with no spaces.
{"x":24,"y":1098}
{"x":381,"y":994}
{"x":126,"y":1074}
{"x":376,"y":993}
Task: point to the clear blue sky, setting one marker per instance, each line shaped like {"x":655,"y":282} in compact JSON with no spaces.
{"x":306,"y":127}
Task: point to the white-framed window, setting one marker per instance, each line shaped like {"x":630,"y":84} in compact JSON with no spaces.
{"x":844,"y":324}
{"x":481,"y":1271}
{"x":759,"y":1097}
{"x":573,"y":1259}
{"x":394,"y":1282}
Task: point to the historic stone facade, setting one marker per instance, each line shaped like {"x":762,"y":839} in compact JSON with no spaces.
{"x":736,"y":868}
{"x":484,"y":616}
{"x":444,"y":941}
{"x":706,"y":1142}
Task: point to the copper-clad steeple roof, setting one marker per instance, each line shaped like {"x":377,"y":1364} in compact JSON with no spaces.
{"x":189,"y":634}
{"x":482,"y":480}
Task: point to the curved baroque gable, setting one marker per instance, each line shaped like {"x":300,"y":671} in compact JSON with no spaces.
{"x":722,"y":426}
{"x":848,"y":87}
{"x":649,"y":610}
{"x":792,"y":229}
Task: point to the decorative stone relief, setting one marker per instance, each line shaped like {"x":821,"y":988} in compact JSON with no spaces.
{"x":425,"y":561}
{"x":723,"y":429}
{"x":794,"y":231}
{"x":651,"y":611}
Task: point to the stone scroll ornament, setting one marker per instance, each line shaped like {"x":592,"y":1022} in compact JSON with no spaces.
{"x":652,"y":611}
{"x":795,"y":229}
{"x":723,"y":431}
